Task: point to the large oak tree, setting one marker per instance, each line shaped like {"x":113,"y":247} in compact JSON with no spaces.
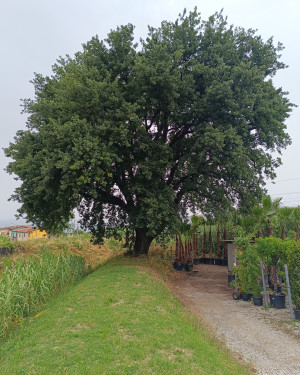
{"x":137,"y":135}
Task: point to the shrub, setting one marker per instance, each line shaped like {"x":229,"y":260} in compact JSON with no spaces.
{"x":292,"y":253}
{"x":248,"y":268}
{"x":6,"y":242}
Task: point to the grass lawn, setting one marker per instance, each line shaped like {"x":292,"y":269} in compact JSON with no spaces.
{"x":118,"y":320}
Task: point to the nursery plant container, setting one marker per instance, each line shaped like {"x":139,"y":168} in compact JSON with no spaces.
{"x":230,"y":278}
{"x":218,"y":262}
{"x":297,"y":314}
{"x":188,"y":267}
{"x":197,"y":261}
{"x":178,"y":266}
{"x":202,"y":260}
{"x":277,"y":300}
{"x":210,"y":260}
{"x":225,"y":262}
{"x":246,"y":296}
{"x":258,"y":301}
{"x":279,"y":288}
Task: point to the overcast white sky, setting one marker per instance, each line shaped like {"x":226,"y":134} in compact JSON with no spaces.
{"x":34,"y":33}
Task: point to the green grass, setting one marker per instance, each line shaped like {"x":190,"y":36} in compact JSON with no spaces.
{"x":118,"y":320}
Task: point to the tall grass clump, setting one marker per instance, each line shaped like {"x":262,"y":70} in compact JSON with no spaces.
{"x":26,"y":284}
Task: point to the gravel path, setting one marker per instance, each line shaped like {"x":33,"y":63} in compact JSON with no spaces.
{"x":264,"y":337}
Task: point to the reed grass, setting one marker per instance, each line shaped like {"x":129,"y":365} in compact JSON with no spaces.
{"x":27,"y":284}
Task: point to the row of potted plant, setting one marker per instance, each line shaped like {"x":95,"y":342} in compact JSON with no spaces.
{"x":187,"y":253}
{"x":184,"y":253}
{"x":274,"y":253}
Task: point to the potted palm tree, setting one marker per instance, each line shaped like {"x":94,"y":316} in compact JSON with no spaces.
{"x":210,"y":259}
{"x":203,"y":258}
{"x":178,"y":262}
{"x":218,"y":260}
{"x":196,"y":224}
{"x":225,"y":248}
{"x":188,"y":256}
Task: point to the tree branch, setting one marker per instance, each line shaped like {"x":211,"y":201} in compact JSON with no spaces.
{"x":112,"y":199}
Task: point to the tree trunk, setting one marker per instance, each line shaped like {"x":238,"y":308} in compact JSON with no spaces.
{"x":218,"y":243}
{"x":225,"y":254}
{"x":210,"y":243}
{"x":204,"y":243}
{"x":142,"y":241}
{"x":283,"y":233}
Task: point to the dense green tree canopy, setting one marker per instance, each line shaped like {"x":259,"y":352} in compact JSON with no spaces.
{"x":135,"y":135}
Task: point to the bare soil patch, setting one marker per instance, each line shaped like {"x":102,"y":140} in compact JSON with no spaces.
{"x":266,"y":338}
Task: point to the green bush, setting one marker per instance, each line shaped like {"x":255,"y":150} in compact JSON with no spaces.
{"x":292,"y":255}
{"x":6,"y":242}
{"x":248,"y":268}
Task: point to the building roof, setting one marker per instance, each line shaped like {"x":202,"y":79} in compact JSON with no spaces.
{"x":24,"y":229}
{"x":13,"y":227}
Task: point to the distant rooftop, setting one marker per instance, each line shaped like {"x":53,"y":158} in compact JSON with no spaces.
{"x":13,"y":227}
{"x":24,"y":229}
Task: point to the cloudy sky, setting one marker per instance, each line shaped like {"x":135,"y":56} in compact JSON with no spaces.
{"x":34,"y":33}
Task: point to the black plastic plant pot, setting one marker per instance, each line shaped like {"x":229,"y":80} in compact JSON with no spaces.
{"x":188,"y":267}
{"x":218,"y":262}
{"x":277,"y":300}
{"x":202,"y":260}
{"x":230,"y":278}
{"x":297,"y":314}
{"x":246,"y":296}
{"x":178,"y":266}
{"x":258,"y":301}
{"x":225,"y":262}
{"x":210,"y":261}
{"x":196,"y":261}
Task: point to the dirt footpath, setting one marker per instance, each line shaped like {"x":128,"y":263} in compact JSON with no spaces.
{"x":264,"y":337}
